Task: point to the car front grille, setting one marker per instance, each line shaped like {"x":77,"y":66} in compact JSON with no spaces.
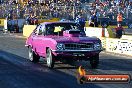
{"x":79,"y":46}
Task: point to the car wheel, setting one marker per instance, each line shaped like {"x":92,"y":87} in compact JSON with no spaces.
{"x":49,"y":58}
{"x":94,"y":61}
{"x":32,"y":56}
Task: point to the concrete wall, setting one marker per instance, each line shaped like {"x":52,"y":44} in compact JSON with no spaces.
{"x":98,"y":32}
{"x":28,"y":29}
{"x":121,"y":46}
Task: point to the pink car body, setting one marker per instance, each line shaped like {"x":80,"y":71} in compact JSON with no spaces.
{"x":68,"y":43}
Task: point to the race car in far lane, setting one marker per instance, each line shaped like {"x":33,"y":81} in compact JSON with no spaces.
{"x":62,"y":41}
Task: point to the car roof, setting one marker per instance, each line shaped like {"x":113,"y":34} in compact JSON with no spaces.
{"x":55,"y":22}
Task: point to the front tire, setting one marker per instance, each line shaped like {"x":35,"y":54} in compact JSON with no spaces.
{"x":49,"y":58}
{"x":94,"y":61}
{"x":32,"y":56}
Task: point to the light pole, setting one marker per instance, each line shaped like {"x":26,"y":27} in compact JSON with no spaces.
{"x":74,"y":5}
{"x":74,"y":11}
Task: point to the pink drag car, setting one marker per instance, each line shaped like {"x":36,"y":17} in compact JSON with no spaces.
{"x":62,"y":41}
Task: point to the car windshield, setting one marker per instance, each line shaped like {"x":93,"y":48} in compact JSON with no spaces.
{"x":58,"y":28}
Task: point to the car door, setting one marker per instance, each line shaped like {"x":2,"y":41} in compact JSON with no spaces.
{"x":43,"y":43}
{"x":37,"y":40}
{"x":40,"y":48}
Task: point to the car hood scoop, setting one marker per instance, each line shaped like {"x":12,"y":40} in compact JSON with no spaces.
{"x":65,"y":39}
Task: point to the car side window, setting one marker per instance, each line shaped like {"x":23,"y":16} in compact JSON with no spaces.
{"x":49,"y":29}
{"x":36,"y":30}
{"x":43,"y":29}
{"x":39,"y":30}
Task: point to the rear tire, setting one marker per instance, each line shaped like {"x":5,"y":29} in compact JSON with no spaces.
{"x":94,"y":61}
{"x":50,"y":58}
{"x":32,"y":56}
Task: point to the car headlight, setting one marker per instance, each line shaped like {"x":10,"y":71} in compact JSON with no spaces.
{"x":97,"y":46}
{"x":60,"y":46}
